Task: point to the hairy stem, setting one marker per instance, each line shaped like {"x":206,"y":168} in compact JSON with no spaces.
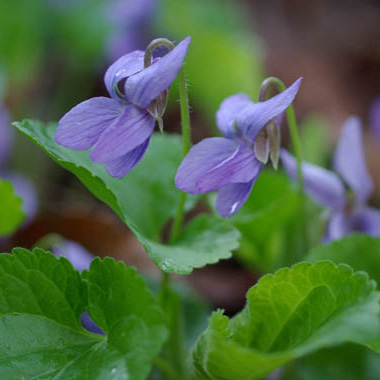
{"x":171,"y":361}
{"x":296,"y":143}
{"x":186,"y":143}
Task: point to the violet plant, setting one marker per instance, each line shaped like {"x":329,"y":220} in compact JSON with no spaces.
{"x":291,"y":318}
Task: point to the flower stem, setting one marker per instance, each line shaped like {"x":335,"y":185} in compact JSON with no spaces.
{"x":171,"y":361}
{"x":186,"y":143}
{"x":296,"y":142}
{"x":165,"y":368}
{"x":185,"y":123}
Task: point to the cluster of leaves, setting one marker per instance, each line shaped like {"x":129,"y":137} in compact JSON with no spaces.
{"x":46,"y":294}
{"x":288,"y":315}
{"x":303,"y":313}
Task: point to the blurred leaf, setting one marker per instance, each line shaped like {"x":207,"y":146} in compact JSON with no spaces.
{"x":80,"y":30}
{"x":23,"y":27}
{"x":348,"y":362}
{"x":272,"y":204}
{"x":224,"y":56}
{"x":145,"y":200}
{"x":11,"y":214}
{"x":289,"y":314}
{"x":41,"y":301}
{"x":315,"y":140}
{"x":361,"y":252}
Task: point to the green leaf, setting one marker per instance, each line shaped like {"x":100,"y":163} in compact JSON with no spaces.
{"x":121,"y":305}
{"x":145,"y":200}
{"x":289,"y":314}
{"x":315,"y":140}
{"x":361,"y":252}
{"x":205,"y":240}
{"x":11,"y":214}
{"x":269,"y":209}
{"x":41,"y":301}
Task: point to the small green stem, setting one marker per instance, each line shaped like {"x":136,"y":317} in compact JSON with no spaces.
{"x":167,"y":302}
{"x":185,"y":124}
{"x":296,"y":142}
{"x":186,"y":143}
{"x":165,"y":368}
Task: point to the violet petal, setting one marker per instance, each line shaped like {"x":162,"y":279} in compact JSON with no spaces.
{"x":124,"y":67}
{"x":6,"y":135}
{"x":367,"y":220}
{"x":214,"y":157}
{"x":25,"y":189}
{"x":256,"y":115}
{"x":228,"y":111}
{"x":122,"y":165}
{"x":349,"y":159}
{"x":89,"y":324}
{"x":240,"y":167}
{"x":129,"y":131}
{"x":232,"y":197}
{"x":320,"y":184}
{"x":79,"y":257}
{"x":374,"y":117}
{"x":338,"y":226}
{"x":142,"y":88}
{"x":82,"y":126}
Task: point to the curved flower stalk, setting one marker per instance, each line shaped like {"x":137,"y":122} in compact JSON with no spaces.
{"x":232,"y":164}
{"x":118,"y":129}
{"x":348,"y":209}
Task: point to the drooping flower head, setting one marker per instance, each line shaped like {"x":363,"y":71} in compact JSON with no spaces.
{"x":118,"y":129}
{"x":348,"y":209}
{"x":230,"y":163}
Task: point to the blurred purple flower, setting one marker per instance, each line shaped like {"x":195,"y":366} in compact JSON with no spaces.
{"x":348,"y":209}
{"x":6,"y":136}
{"x":229,"y":163}
{"x":22,"y":186}
{"x":75,"y":253}
{"x":26,"y":191}
{"x":119,"y":128}
{"x":129,"y":20}
{"x":81,"y":259}
{"x":374,"y":117}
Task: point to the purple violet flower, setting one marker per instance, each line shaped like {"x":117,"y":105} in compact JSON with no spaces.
{"x":6,"y":136}
{"x":129,"y":22}
{"x":79,"y":257}
{"x":23,"y":186}
{"x":374,"y":118}
{"x":230,"y":164}
{"x":348,"y":209}
{"x":118,"y":129}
